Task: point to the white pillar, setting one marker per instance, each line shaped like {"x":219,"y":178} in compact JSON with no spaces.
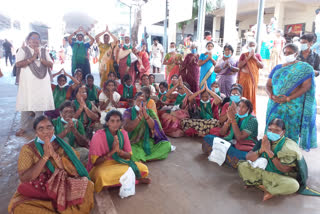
{"x":279,"y":14}
{"x":230,"y":18}
{"x":172,"y":30}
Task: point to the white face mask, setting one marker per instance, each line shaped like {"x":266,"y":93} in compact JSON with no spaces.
{"x":290,"y":58}
{"x":251,"y":48}
{"x":137,"y":108}
{"x":172,"y":50}
{"x":209,"y":51}
{"x":304,"y":47}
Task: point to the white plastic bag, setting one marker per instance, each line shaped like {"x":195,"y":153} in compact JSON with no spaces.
{"x":128,"y":184}
{"x":259,"y":163}
{"x":219,"y":150}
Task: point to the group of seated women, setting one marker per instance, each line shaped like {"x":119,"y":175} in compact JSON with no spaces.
{"x":94,"y":135}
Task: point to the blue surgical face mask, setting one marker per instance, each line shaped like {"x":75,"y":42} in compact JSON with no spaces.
{"x":182,"y":94}
{"x":194,"y":51}
{"x":42,"y":142}
{"x":273,"y":136}
{"x":304,"y":47}
{"x":217,"y":90}
{"x":128,"y":86}
{"x":227,"y":56}
{"x":235,"y":98}
{"x":79,"y":42}
{"x":204,"y":102}
{"x":162,"y":92}
{"x":242,"y":116}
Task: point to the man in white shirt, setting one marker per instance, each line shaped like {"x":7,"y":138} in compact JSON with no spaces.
{"x":156,"y":55}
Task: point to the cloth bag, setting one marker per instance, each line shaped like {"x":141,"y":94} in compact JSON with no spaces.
{"x":128,"y":184}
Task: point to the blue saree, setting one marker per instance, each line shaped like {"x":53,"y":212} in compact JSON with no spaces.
{"x":299,"y":114}
{"x":207,"y":74}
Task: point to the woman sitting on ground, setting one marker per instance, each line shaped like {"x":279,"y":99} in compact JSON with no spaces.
{"x":147,"y":138}
{"x":174,"y":80}
{"x":61,"y":92}
{"x":286,"y":170}
{"x":113,"y":76}
{"x":53,"y":180}
{"x":204,"y":114}
{"x":171,"y":119}
{"x":127,"y":90}
{"x":93,"y":90}
{"x":109,"y":100}
{"x":145,"y":83}
{"x":110,"y":155}
{"x":71,"y":130}
{"x":86,"y":111}
{"x":241,"y":129}
{"x":150,"y":103}
{"x":152,"y":81}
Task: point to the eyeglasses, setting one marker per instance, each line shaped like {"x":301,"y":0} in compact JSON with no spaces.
{"x":235,"y":94}
{"x":48,"y":128}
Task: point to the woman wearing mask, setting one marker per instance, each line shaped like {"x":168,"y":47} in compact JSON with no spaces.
{"x":226,"y":70}
{"x":241,"y":129}
{"x":170,"y":119}
{"x":205,"y":113}
{"x":286,"y":171}
{"x":173,"y":61}
{"x":207,"y":62}
{"x":125,"y":57}
{"x":291,"y":90}
{"x":249,"y":65}
{"x":190,"y":69}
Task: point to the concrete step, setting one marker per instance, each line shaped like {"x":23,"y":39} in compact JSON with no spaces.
{"x":103,"y":203}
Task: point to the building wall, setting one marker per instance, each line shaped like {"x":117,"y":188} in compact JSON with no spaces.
{"x":189,"y":28}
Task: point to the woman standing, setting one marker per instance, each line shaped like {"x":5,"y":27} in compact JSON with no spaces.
{"x":190,"y":69}
{"x":291,"y":89}
{"x":226,"y":70}
{"x":34,"y":78}
{"x":173,"y":61}
{"x":207,"y":61}
{"x":249,"y":65}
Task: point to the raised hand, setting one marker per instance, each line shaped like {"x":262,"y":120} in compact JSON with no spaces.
{"x":116,"y":147}
{"x":107,"y":28}
{"x":46,"y":148}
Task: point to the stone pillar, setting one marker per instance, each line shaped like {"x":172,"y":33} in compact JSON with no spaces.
{"x":279,"y":14}
{"x":230,"y":17}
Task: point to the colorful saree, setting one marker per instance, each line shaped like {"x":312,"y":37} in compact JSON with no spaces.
{"x":226,"y":78}
{"x":106,"y":65}
{"x":171,"y":122}
{"x":66,"y":190}
{"x":207,"y":75}
{"x":190,"y":71}
{"x":173,"y":68}
{"x":147,"y":144}
{"x":125,"y":63}
{"x":143,"y":64}
{"x":249,"y":80}
{"x":109,"y":172}
{"x":299,"y":114}
{"x":201,"y":126}
{"x":240,"y":148}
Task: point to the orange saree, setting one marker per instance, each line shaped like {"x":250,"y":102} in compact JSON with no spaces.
{"x":249,"y":77}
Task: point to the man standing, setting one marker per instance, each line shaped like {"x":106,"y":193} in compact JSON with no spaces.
{"x":7,"y":51}
{"x":157,"y":55}
{"x":80,"y":51}
{"x":316,"y":46}
{"x":308,"y":56}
